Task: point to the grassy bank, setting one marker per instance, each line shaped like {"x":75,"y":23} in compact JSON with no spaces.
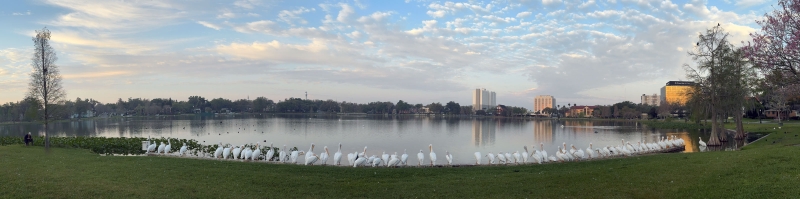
{"x":765,"y":169}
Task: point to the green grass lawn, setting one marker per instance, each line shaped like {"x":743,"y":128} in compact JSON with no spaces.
{"x":769,"y":168}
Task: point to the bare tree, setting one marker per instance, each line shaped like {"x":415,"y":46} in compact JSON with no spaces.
{"x":45,"y":82}
{"x":710,"y":49}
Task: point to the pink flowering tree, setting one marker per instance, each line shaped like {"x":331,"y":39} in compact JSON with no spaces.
{"x":776,"y":48}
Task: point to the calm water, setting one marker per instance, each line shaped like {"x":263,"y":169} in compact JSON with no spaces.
{"x":460,"y":136}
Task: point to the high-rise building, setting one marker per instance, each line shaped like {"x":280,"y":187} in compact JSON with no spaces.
{"x":652,"y":100}
{"x":676,"y":92}
{"x":483,"y":99}
{"x":543,"y":101}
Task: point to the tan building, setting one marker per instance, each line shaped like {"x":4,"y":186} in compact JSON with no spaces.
{"x":676,"y":92}
{"x":543,"y":101}
{"x":652,"y":100}
{"x":580,"y":111}
{"x":483,"y":99}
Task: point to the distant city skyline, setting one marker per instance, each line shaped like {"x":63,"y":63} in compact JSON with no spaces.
{"x":592,"y":52}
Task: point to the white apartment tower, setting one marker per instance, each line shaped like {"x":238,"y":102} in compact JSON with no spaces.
{"x":543,"y":101}
{"x":483,"y":99}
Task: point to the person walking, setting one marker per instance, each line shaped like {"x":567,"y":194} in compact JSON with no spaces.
{"x":28,"y":139}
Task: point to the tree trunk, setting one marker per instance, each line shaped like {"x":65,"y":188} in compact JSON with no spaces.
{"x":723,"y":133}
{"x":713,"y":140}
{"x":739,"y":128}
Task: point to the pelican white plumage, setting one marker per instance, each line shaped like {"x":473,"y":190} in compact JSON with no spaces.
{"x":501,"y":159}
{"x":432,"y":155}
{"x":701,"y":142}
{"x":385,"y":158}
{"x":478,"y":158}
{"x":323,"y":157}
{"x":282,"y":155}
{"x":337,"y":157}
{"x":376,"y":161}
{"x":247,"y":153}
{"x":256,"y":152}
{"x":393,"y":161}
{"x":270,"y":153}
{"x":152,"y":147}
{"x":420,"y":157}
{"x":236,"y":152}
{"x":525,"y":155}
{"x":168,"y":148}
{"x":311,"y":158}
{"x":293,"y":157}
{"x":508,"y":157}
{"x":537,"y":157}
{"x":449,"y":158}
{"x":218,"y":153}
{"x":183,"y":149}
{"x":404,"y":158}
{"x":544,"y":153}
{"x":361,"y":158}
{"x":517,"y":157}
{"x":226,"y":151}
{"x":552,"y":159}
{"x":161,"y":146}
{"x":579,"y":155}
{"x":590,"y":151}
{"x":351,"y":157}
{"x":491,"y":158}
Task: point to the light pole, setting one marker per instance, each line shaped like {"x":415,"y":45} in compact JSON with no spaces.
{"x":759,"y":115}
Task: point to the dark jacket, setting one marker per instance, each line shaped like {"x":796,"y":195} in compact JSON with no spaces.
{"x":28,"y":138}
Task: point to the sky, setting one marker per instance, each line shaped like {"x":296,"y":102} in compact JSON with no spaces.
{"x":586,"y":52}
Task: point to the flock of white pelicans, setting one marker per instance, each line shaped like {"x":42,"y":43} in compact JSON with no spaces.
{"x":361,"y":159}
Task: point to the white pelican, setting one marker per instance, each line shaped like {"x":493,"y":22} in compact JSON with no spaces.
{"x":432,"y":155}
{"x":168,"y":148}
{"x":385,"y":158}
{"x":544,"y":153}
{"x":311,"y":159}
{"x":256,"y":152}
{"x":183,"y":149}
{"x":161,"y":147}
{"x":525,"y":155}
{"x":282,"y":154}
{"x":152,"y":147}
{"x":552,"y":159}
{"x":449,"y":158}
{"x":226,"y":151}
{"x":247,"y":153}
{"x":590,"y":151}
{"x":293,"y":157}
{"x":376,"y":161}
{"x":579,"y":155}
{"x":236,"y":152}
{"x":404,"y":158}
{"x":500,"y":158}
{"x":270,"y":153}
{"x":701,"y":141}
{"x":491,"y":158}
{"x":537,"y":157}
{"x":218,"y":153}
{"x":323,"y":157}
{"x":310,"y":152}
{"x":508,"y":157}
{"x":351,"y":157}
{"x":420,"y":157}
{"x":337,"y":157}
{"x":478,"y":158}
{"x":361,"y":158}
{"x":560,"y":155}
{"x":516,"y":157}
{"x":393,"y":161}
{"x":567,"y":153}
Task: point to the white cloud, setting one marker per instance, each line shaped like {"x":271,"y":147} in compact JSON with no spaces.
{"x":247,"y":4}
{"x":293,"y":16}
{"x":226,"y":14}
{"x":345,"y":14}
{"x":748,"y":3}
{"x":209,"y":25}
{"x":21,"y":13}
{"x":523,"y":14}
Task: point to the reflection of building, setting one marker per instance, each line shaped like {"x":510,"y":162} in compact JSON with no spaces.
{"x":483,"y":132}
{"x":580,"y":111}
{"x":652,"y":100}
{"x":580,"y":126}
{"x":543,"y":131}
{"x":676,"y":92}
{"x":483,"y":99}
{"x":543,"y":101}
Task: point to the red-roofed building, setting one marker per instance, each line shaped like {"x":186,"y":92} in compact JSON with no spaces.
{"x":580,"y":111}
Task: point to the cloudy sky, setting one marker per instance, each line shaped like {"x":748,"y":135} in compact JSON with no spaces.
{"x":585,"y":52}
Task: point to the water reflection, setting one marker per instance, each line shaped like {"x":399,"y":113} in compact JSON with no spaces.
{"x":483,"y":132}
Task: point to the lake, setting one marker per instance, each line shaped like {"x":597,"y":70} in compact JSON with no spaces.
{"x":460,"y":136}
